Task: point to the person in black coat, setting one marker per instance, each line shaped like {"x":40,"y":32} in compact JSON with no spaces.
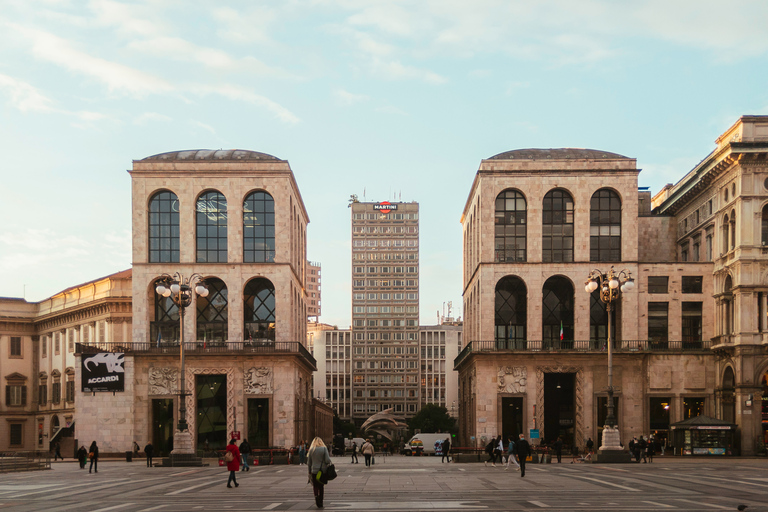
{"x":94,"y":455}
{"x":523,"y":450}
{"x":149,"y":451}
{"x":82,"y":456}
{"x":559,"y":449}
{"x":446,"y":450}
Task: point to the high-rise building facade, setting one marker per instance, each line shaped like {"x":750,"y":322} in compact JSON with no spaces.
{"x":313,"y":290}
{"x":385,"y":307}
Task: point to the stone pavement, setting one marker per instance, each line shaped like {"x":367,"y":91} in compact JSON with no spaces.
{"x":398,"y":484}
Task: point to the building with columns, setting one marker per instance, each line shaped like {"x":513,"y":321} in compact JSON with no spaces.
{"x":687,"y":339}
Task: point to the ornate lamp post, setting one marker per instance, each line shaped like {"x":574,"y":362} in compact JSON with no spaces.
{"x":179,"y":290}
{"x":611,"y":285}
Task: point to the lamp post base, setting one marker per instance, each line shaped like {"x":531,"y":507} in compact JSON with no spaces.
{"x":611,"y":450}
{"x":611,"y":439}
{"x":182,"y":443}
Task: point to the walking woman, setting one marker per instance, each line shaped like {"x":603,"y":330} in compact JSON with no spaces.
{"x":233,"y":465}
{"x":318,"y":459}
{"x":93,"y":453}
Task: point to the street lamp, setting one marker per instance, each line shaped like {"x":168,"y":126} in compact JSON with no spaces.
{"x":180,"y":289}
{"x":612,"y":285}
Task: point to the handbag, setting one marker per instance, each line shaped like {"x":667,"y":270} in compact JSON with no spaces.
{"x":326,"y":476}
{"x":229,"y":457}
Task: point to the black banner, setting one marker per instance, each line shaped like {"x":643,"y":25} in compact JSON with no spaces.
{"x":103,"y":372}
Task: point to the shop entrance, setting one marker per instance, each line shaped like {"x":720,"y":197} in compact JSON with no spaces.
{"x":162,"y":426}
{"x":511,"y":417}
{"x":559,"y":410}
{"x":211,"y":394}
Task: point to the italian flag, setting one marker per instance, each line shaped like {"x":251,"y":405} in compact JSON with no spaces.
{"x":561,"y":330}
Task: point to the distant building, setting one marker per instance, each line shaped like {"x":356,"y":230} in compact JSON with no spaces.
{"x":313,"y":291}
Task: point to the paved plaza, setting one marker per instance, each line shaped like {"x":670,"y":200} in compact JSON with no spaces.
{"x":397,"y":484}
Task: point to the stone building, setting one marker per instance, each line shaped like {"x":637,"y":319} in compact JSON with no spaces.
{"x":234,"y":219}
{"x":536,"y":223}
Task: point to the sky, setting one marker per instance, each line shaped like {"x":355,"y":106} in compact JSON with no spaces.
{"x":385,"y":99}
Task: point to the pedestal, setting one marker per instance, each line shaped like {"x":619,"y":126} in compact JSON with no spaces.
{"x":182,"y":443}
{"x":611,"y":439}
{"x":611,"y":450}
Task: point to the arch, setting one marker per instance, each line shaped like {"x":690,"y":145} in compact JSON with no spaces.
{"x":510,"y":319}
{"x":727,"y":397}
{"x":726,"y":227}
{"x":163,"y":227}
{"x":557,"y":312}
{"x":510,"y":221}
{"x":557,"y":226}
{"x":211,"y":227}
{"x":258,"y":227}
{"x":213,"y":311}
{"x":605,"y":226}
{"x":55,"y":425}
{"x":764,"y":226}
{"x":259,"y":309}
{"x":733,"y":229}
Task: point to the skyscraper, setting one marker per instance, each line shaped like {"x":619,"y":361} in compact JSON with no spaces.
{"x":385,"y":307}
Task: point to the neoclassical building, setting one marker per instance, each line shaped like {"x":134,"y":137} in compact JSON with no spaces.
{"x":235,"y":220}
{"x":688,"y":339}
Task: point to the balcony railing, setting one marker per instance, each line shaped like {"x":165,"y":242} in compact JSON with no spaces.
{"x":582,"y":346}
{"x":265,"y":347}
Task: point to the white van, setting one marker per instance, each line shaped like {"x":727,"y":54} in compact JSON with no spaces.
{"x":429,"y":441}
{"x":348,"y":443}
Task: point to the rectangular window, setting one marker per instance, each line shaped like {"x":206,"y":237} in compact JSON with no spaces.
{"x":16,"y":438}
{"x":692,"y":324}
{"x":56,"y":393}
{"x":42,"y":393}
{"x":709,"y":247}
{"x":15,"y":346}
{"x":71,"y":341}
{"x":692,"y":284}
{"x":44,"y":345}
{"x":658,"y":321}
{"x":693,"y":407}
{"x":658,"y":284}
{"x":57,"y":343}
{"x":15,"y":395}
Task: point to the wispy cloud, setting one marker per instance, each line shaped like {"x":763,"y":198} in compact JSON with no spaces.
{"x":27,"y":98}
{"x":238,"y":93}
{"x":204,"y":126}
{"x":151,"y":117}
{"x":347,"y":98}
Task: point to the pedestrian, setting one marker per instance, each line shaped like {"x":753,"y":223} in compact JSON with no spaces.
{"x":318,"y":459}
{"x":367,"y":451}
{"x":149,"y":452}
{"x":234,"y":464}
{"x":82,"y":456}
{"x":93,"y":454}
{"x":643,"y":446}
{"x":559,"y":449}
{"x":354,"y":453}
{"x":523,"y":450}
{"x":590,"y":445}
{"x":245,"y":450}
{"x":511,"y":454}
{"x":489,"y":449}
{"x":302,"y":452}
{"x":446,"y":450}
{"x":651,"y":450}
{"x":136,"y":448}
{"x":57,"y":452}
{"x":634,"y":449}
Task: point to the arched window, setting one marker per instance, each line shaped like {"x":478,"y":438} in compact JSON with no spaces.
{"x":728,"y":402}
{"x":598,"y":321}
{"x":728,"y":305}
{"x":764,"y":226}
{"x":259,"y":228}
{"x":211,"y":220}
{"x":165,"y":327}
{"x":259,"y":309}
{"x":557,"y":313}
{"x":212,"y":312}
{"x":557,"y":227}
{"x":511,"y":309}
{"x":733,"y":229}
{"x":164,"y":228}
{"x":726,"y":237}
{"x":510,"y":226}
{"x":605,"y":226}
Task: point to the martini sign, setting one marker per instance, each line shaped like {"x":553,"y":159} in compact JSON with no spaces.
{"x":385,"y":207}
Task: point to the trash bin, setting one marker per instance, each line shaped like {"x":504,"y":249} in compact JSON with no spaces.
{"x":128,"y":456}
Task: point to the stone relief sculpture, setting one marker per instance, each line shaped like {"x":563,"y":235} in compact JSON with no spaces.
{"x":163,"y":381}
{"x":258,"y":381}
{"x":512,"y":379}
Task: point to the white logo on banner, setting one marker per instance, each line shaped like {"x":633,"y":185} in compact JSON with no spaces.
{"x":113,"y":360}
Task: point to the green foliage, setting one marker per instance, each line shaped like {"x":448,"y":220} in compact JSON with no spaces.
{"x":431,"y":418}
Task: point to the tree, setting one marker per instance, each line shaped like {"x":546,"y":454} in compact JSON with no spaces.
{"x":345,"y":428}
{"x":431,"y":418}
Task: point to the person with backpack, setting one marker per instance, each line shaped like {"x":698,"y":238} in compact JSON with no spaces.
{"x":245,"y":450}
{"x":511,"y":455}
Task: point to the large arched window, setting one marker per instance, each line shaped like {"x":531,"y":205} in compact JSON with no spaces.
{"x":511,"y":308}
{"x":727,"y":304}
{"x":764,"y":226}
{"x":510,"y":226}
{"x":165,"y":326}
{"x":605,"y":226}
{"x":212,"y":312}
{"x":164,"y":228}
{"x":259,"y":228}
{"x":728,"y":396}
{"x":557,"y":312}
{"x":259,"y":309}
{"x":211,"y":220}
{"x":726,"y":236}
{"x":733,"y":229}
{"x":557,"y":227}
{"x":598,"y":321}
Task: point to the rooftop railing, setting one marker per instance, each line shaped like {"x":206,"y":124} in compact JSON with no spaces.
{"x":580,"y":346}
{"x":266,"y":347}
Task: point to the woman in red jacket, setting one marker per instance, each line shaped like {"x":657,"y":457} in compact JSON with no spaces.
{"x":234,"y":465}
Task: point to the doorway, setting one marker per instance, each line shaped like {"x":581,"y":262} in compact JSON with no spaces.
{"x":511,"y":417}
{"x":258,"y":422}
{"x":211,"y":394}
{"x":162,"y":426}
{"x":559,"y":409}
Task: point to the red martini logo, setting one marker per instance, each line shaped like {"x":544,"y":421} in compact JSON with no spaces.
{"x":385,"y":207}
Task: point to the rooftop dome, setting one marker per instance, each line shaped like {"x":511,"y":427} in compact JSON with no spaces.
{"x":211,"y":155}
{"x":556,"y":154}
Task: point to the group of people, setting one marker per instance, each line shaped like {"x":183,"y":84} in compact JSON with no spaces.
{"x":520,"y":448}
{"x":91,"y":453}
{"x":642,"y":449}
{"x":367,"y":450}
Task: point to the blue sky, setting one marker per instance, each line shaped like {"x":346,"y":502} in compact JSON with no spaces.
{"x":397,"y":99}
